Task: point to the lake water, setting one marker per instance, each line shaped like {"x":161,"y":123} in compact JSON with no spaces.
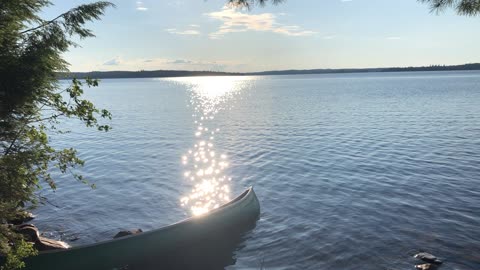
{"x":353,"y":171}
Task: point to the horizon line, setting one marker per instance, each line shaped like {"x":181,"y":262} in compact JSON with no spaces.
{"x":285,"y":70}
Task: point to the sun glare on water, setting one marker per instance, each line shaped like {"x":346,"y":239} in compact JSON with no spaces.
{"x":204,"y":165}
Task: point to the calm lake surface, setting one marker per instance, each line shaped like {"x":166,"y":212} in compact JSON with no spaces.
{"x":353,"y":171}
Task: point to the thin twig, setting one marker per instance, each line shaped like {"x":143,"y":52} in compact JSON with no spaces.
{"x":46,"y":23}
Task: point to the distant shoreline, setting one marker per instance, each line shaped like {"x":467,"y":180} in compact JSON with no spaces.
{"x":186,"y":73}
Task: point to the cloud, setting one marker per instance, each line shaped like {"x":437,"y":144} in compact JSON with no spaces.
{"x":233,"y":20}
{"x":394,"y":38}
{"x":140,"y":6}
{"x":329,"y":37}
{"x":191,"y":32}
{"x":112,"y":62}
{"x":134,"y":64}
{"x":181,"y":61}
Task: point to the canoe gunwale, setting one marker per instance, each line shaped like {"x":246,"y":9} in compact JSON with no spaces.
{"x":236,"y":201}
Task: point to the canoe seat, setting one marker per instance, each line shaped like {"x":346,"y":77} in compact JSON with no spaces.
{"x":127,"y":233}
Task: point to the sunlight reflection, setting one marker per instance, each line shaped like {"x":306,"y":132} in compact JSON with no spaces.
{"x":204,"y":166}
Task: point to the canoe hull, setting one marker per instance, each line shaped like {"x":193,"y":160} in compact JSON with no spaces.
{"x":229,"y":220}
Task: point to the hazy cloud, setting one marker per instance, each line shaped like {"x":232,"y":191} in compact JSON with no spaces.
{"x":329,"y":37}
{"x":133,"y":64}
{"x":141,"y":6}
{"x":191,"y":32}
{"x":394,"y":38}
{"x":181,"y":61}
{"x":112,"y":62}
{"x":234,"y":20}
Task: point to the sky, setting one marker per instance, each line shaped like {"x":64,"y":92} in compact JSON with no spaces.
{"x":297,"y":34}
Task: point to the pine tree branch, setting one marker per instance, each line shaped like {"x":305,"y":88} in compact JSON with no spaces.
{"x":46,"y":23}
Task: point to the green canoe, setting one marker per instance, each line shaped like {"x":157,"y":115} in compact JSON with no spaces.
{"x":228,"y":220}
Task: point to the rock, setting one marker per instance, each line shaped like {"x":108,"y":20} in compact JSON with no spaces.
{"x":29,"y":231}
{"x":22,"y":218}
{"x":427,"y":257}
{"x":49,"y":244}
{"x":127,"y":233}
{"x":425,"y":266}
{"x":41,"y":243}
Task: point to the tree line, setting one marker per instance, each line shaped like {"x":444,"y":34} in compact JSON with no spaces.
{"x":186,"y":73}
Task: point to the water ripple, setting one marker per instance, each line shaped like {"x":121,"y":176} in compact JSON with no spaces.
{"x":352,"y":171}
